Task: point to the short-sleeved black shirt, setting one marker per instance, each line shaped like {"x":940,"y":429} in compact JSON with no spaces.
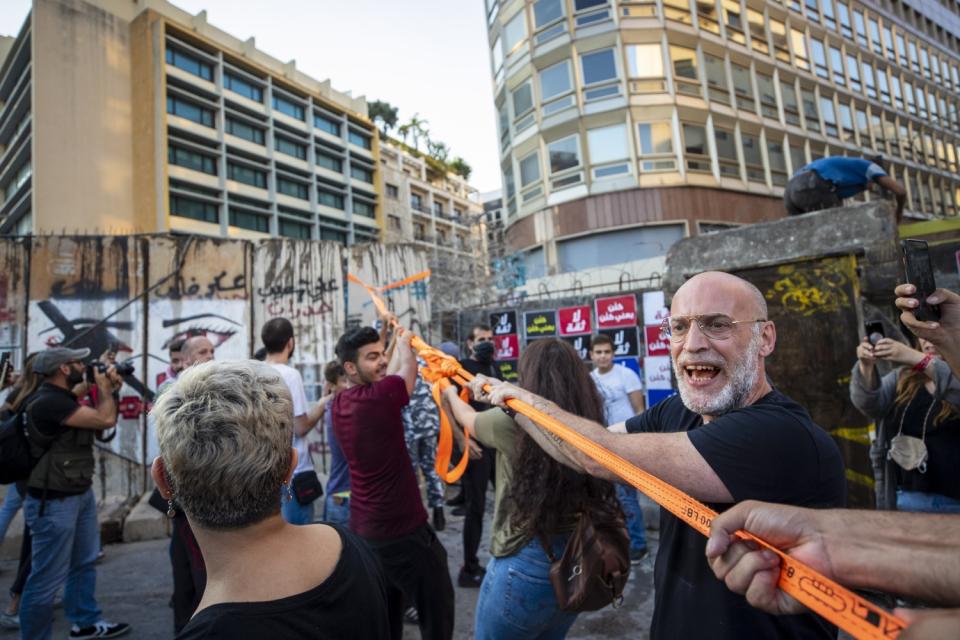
{"x":50,"y":406}
{"x":771,"y":451}
{"x":350,"y":603}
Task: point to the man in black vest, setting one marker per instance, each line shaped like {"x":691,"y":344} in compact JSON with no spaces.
{"x":60,"y":507}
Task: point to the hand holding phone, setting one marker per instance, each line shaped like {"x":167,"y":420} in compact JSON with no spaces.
{"x":919,"y":270}
{"x":874,"y":332}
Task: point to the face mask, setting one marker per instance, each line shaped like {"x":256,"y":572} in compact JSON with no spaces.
{"x":908,"y":452}
{"x":483,"y":351}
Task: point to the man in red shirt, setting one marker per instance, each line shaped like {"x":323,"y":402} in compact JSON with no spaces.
{"x":385,"y":504}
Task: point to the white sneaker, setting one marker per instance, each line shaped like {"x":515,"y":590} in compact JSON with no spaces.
{"x":8,"y":621}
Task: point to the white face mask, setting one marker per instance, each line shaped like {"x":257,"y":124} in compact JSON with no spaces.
{"x":908,"y":452}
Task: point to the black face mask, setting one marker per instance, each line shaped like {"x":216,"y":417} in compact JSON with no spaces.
{"x":483,"y":352}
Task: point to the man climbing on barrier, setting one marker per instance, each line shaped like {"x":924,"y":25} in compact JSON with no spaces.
{"x":826,"y":182}
{"x":728,"y":436}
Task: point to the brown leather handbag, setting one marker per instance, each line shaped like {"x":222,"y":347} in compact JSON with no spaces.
{"x":595,"y":564}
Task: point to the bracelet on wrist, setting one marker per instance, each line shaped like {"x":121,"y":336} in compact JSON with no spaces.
{"x":923,"y":364}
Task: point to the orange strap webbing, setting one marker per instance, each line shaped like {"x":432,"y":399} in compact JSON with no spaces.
{"x":835,"y":603}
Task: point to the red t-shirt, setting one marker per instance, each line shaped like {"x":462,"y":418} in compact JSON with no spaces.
{"x":384,"y":496}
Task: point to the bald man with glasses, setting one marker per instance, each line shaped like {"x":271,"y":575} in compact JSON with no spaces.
{"x":728,"y":436}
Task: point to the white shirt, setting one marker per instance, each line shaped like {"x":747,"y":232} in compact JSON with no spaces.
{"x":295,"y":383}
{"x":614,"y":385}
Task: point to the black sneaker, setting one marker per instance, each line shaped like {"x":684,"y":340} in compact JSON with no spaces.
{"x":102,"y":629}
{"x":459,"y":511}
{"x":439,"y":522}
{"x":637,"y":555}
{"x":471,"y":579}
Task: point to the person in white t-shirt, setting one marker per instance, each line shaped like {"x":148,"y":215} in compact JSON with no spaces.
{"x":622,"y":394}
{"x":297,"y":505}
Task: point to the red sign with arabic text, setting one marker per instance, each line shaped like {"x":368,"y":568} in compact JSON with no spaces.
{"x":574,"y":321}
{"x":657,"y":343}
{"x":506,"y":347}
{"x":618,"y":311}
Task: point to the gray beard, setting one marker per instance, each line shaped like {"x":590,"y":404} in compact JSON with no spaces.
{"x":734,"y":395}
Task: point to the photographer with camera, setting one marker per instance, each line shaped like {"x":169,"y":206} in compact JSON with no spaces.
{"x":916,"y":453}
{"x":60,"y":507}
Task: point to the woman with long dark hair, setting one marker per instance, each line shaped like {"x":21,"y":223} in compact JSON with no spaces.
{"x":916,"y":454}
{"x":537,"y":499}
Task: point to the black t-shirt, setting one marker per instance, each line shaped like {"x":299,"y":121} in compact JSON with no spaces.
{"x":50,"y":406}
{"x":771,"y":451}
{"x":943,"y":447}
{"x":350,"y":603}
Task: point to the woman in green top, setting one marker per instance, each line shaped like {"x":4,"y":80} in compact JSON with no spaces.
{"x":537,"y":498}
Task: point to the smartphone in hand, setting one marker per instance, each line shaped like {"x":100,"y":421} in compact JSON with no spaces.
{"x":919,"y":270}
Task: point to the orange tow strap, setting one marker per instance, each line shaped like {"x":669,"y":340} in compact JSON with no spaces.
{"x":835,"y":603}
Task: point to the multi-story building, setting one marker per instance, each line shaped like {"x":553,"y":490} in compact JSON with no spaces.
{"x":429,"y":206}
{"x":122,"y":117}
{"x":627,"y":124}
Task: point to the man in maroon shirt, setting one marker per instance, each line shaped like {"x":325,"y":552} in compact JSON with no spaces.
{"x":385,"y":504}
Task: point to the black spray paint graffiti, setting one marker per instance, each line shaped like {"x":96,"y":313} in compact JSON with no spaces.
{"x":216,"y":328}
{"x":313,"y":292}
{"x":179,"y":289}
{"x":99,"y":340}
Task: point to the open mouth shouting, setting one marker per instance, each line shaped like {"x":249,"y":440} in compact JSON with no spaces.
{"x":700,"y":374}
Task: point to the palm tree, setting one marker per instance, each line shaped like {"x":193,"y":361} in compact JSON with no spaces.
{"x":418,"y":129}
{"x":404,"y":131}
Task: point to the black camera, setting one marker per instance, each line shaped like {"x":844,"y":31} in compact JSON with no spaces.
{"x":123,"y":369}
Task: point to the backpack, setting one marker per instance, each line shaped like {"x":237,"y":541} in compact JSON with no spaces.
{"x":16,"y":463}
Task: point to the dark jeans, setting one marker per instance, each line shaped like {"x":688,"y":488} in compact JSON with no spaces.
{"x":189,"y":572}
{"x":808,"y":192}
{"x":474,"y":485}
{"x":415,"y":566}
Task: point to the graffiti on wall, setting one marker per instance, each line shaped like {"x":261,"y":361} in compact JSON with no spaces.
{"x":381,"y":266}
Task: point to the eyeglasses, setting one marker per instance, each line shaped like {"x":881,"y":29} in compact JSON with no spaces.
{"x":715,"y":326}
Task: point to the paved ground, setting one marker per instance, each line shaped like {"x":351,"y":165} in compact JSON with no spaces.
{"x":134,"y":585}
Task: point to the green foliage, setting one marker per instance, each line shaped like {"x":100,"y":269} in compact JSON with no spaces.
{"x":383,"y":113}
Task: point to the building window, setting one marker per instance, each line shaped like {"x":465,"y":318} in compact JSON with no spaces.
{"x":779,"y":34}
{"x":191,"y":160}
{"x":359,"y":139}
{"x":246,"y":175}
{"x":853,"y":69}
{"x":288,"y":107}
{"x":861,"y":28}
{"x":177,"y":106}
{"x":768,"y":95}
{"x":656,"y":146}
{"x":547,"y":16}
{"x":925,"y":60}
{"x":908,"y":94}
{"x":707,"y":17}
{"x":529,"y":169}
{"x":364,"y":208}
{"x":888,"y":43}
{"x":799,"y":43}
{"x":242,"y":87}
{"x":361,"y":173}
{"x":844,"y":18}
{"x":810,"y":110}
{"x":798,"y":158}
{"x":416,"y":202}
{"x":613,"y":247}
{"x":523,"y":116}
{"x":791,"y":107}
{"x":246,"y":131}
{"x":189,"y":63}
{"x":555,"y":81}
{"x":875,"y":36}
{"x":716,"y":79}
{"x":514,"y":32}
{"x":291,"y":229}
{"x":599,"y":67}
{"x":249,"y":220}
{"x":897,"y":92}
{"x":564,"y":154}
{"x":829,"y":117}
{"x":329,"y":162}
{"x":438,"y":209}
{"x":324,"y":123}
{"x":819,"y":58}
{"x":695,"y":148}
{"x":778,"y":163}
{"x":727,"y":152}
{"x":883,"y":86}
{"x":829,"y":19}
{"x":868,"y":81}
{"x":758,"y":31}
{"x":289,"y":147}
{"x":914,"y":60}
{"x":330,"y":199}
{"x":836,"y":63}
{"x":753,"y":157}
{"x":293,"y":188}
{"x":846,"y":123}
{"x":734,"y":21}
{"x":902,"y":49}
{"x":812,"y":12}
{"x":685,"y":70}
{"x":194,"y":209}
{"x":743,"y":87}
{"x":392,"y":191}
{"x":645,"y":65}
{"x":608,"y":145}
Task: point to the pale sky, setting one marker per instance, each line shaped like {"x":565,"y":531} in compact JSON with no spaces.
{"x":424,"y":56}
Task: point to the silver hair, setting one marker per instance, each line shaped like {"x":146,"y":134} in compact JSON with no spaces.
{"x":225,"y":430}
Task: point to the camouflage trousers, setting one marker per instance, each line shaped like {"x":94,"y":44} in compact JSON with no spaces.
{"x":423,"y":455}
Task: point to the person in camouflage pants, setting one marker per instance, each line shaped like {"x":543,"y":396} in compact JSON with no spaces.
{"x":421,"y":426}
